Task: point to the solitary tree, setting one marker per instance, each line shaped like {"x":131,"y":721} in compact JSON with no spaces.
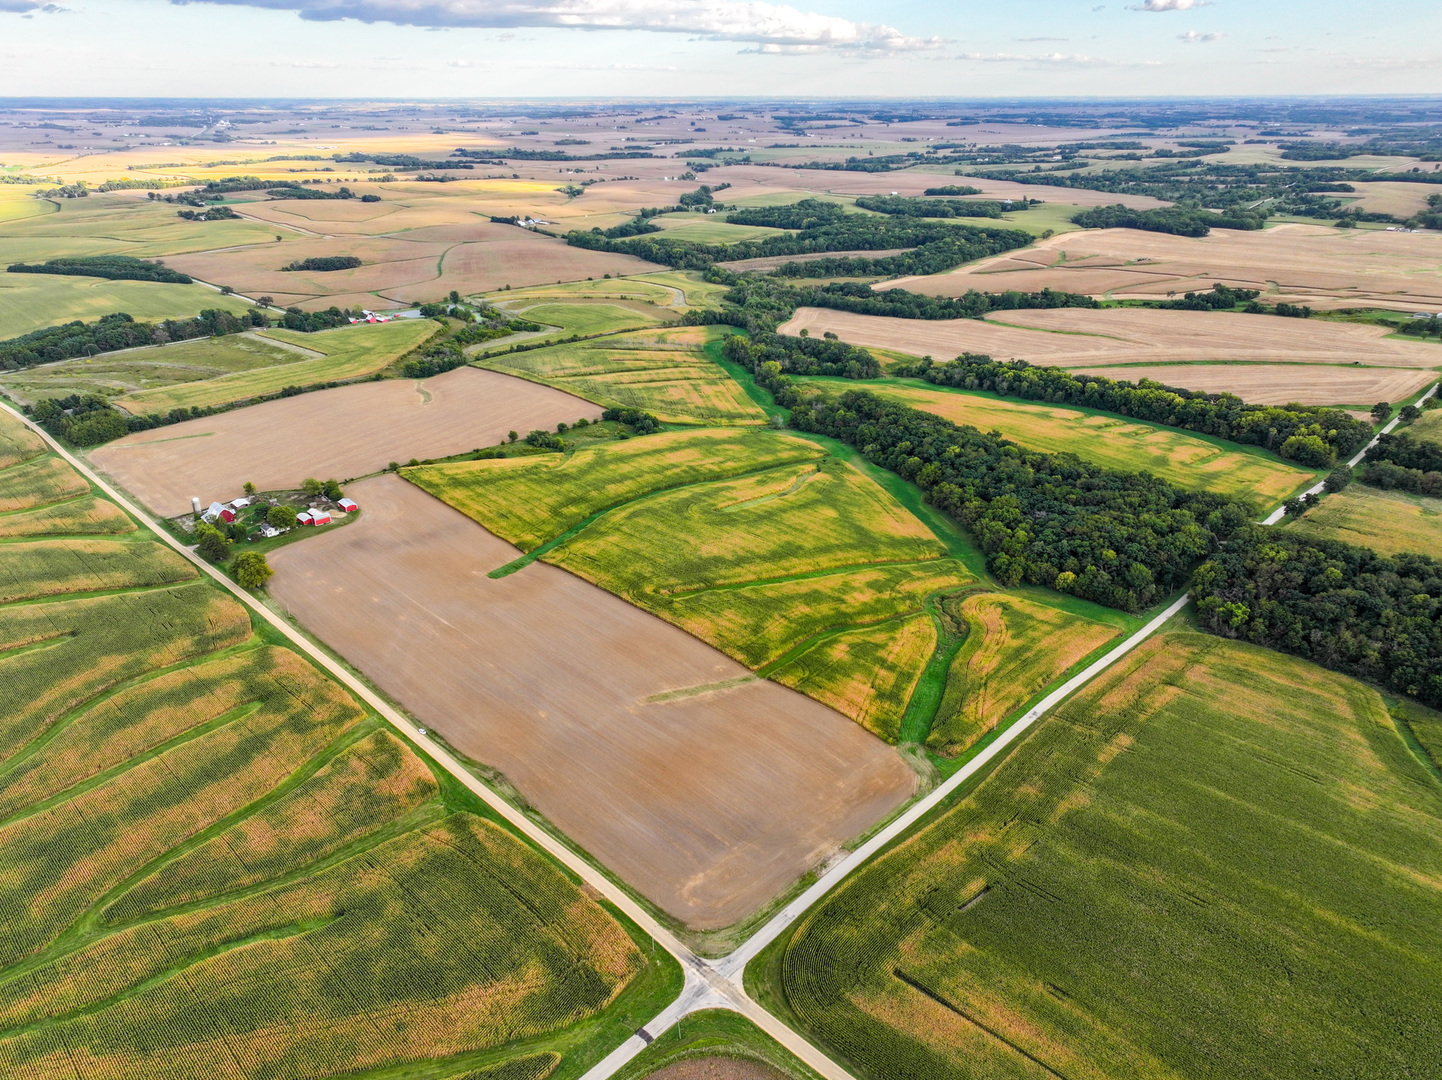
{"x":1381,"y":411}
{"x":1409,"y":413}
{"x":249,"y":488}
{"x":212,"y":545}
{"x":251,"y":570}
{"x":1338,"y":478}
{"x":267,"y":301}
{"x":311,"y":486}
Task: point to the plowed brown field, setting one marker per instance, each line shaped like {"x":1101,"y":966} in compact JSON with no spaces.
{"x":1079,"y":336}
{"x":344,"y":432}
{"x":1279,"y":384}
{"x":706,"y":789}
{"x":1310,"y":264}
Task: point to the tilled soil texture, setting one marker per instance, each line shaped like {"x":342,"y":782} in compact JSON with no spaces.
{"x":1077,"y":337}
{"x":716,"y":1068}
{"x":344,"y":432}
{"x":706,"y":789}
{"x":1308,"y":264}
{"x":1279,"y":384}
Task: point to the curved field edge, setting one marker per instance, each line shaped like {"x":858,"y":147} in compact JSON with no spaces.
{"x":1206,"y":794}
{"x":92,"y":967}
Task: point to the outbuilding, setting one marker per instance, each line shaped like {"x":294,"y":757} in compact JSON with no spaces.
{"x":304,"y":518}
{"x":348,"y":505}
{"x":218,"y":511}
{"x":319,"y":517}
{"x":240,"y":504}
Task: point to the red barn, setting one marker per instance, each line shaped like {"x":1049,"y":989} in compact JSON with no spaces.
{"x":319,"y":517}
{"x":349,"y":506}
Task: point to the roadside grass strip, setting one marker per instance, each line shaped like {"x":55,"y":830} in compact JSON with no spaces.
{"x":663,"y":372}
{"x":215,"y":863}
{"x":351,"y":352}
{"x":1198,"y":850}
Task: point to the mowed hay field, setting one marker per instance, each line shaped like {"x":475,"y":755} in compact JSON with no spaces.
{"x":664,"y":372}
{"x":1216,"y":861}
{"x":1389,"y":522}
{"x":1184,"y":459}
{"x":758,"y":543}
{"x":705,"y":789}
{"x":1081,"y":337}
{"x":112,"y":374}
{"x":349,"y":352}
{"x":32,"y":301}
{"x":1310,"y":264}
{"x":217,"y":864}
{"x":1279,"y":384}
{"x":344,"y":432}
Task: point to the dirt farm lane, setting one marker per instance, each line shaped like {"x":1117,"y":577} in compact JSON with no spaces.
{"x":708,"y":803}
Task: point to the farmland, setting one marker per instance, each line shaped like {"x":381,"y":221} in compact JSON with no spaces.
{"x":350,"y":352}
{"x":665,"y":373}
{"x":1190,"y":461}
{"x":165,"y":365}
{"x":1279,"y":384}
{"x":206,"y":839}
{"x":1079,"y":337}
{"x":1308,"y":264}
{"x":1428,"y":426}
{"x":31,"y":301}
{"x":718,"y":789}
{"x":1389,"y":522}
{"x":1196,"y":851}
{"x":344,"y":432}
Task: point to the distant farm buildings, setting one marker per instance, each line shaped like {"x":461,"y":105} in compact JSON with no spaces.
{"x":348,"y":506}
{"x":218,"y":512}
{"x":373,"y":317}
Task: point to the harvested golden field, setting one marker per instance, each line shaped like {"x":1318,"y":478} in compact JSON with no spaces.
{"x":1190,"y":461}
{"x":664,"y":372}
{"x":1014,"y":648}
{"x":345,"y":432}
{"x":1428,"y":426}
{"x":18,"y":444}
{"x":1075,"y":337}
{"x":1389,"y":522}
{"x":1391,"y":197}
{"x":1279,"y":384}
{"x":1308,"y":264}
{"x":706,"y":789}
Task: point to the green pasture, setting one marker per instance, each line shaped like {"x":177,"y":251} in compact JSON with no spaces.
{"x":1216,"y":861}
{"x":34,"y":301}
{"x":665,"y":372}
{"x":697,"y":292}
{"x":131,"y":371}
{"x":215,"y":857}
{"x":1388,"y":522}
{"x":351,"y":352}
{"x":585,"y":319}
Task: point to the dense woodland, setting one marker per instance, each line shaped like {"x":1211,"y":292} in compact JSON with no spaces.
{"x":1121,"y":539}
{"x":1173,"y":219}
{"x":1344,"y":607}
{"x":1311,"y":435}
{"x":324,"y":263}
{"x":801,"y":356}
{"x":114,"y":267}
{"x":1402,"y":462}
{"x":902,"y":206}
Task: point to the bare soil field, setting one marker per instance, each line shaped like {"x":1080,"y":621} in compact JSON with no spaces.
{"x":1073,"y":337}
{"x":1279,"y":384}
{"x":706,"y":789}
{"x":1311,"y":264}
{"x":344,"y":432}
{"x":1391,"y":197}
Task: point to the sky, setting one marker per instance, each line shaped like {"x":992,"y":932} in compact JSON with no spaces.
{"x":716,"y":48}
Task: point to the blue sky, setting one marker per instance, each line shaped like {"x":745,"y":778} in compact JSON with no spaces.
{"x":444,"y":48}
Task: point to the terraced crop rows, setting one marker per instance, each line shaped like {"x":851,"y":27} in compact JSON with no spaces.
{"x":215,"y":863}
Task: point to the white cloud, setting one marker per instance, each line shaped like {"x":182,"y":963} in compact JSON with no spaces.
{"x":1170,"y":5}
{"x":1191,"y":37}
{"x":729,"y":20}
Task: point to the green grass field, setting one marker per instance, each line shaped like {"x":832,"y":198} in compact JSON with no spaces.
{"x":33,"y":301}
{"x":351,"y":352}
{"x":111,"y":375}
{"x":1427,"y":427}
{"x":1188,"y":460}
{"x":1389,"y":522}
{"x":698,"y":293}
{"x":760,"y":543}
{"x":586,"y":319}
{"x":1217,"y":861}
{"x":664,"y":372}
{"x":216,"y":863}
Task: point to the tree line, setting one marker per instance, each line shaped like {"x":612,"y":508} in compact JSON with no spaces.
{"x":1400,"y":461}
{"x":118,"y":331}
{"x":902,"y":206}
{"x":1311,"y":435}
{"x":801,"y":355}
{"x":1179,"y":221}
{"x":113,"y":267}
{"x":324,"y":263}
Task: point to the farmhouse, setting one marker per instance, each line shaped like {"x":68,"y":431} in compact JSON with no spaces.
{"x":348,"y":505}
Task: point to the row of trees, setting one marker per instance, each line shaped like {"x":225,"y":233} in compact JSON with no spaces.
{"x":902,"y":206}
{"x":1178,"y":220}
{"x":1312,"y":435}
{"x":118,"y":331}
{"x":1341,"y":606}
{"x":801,"y":355}
{"x":113,"y":267}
